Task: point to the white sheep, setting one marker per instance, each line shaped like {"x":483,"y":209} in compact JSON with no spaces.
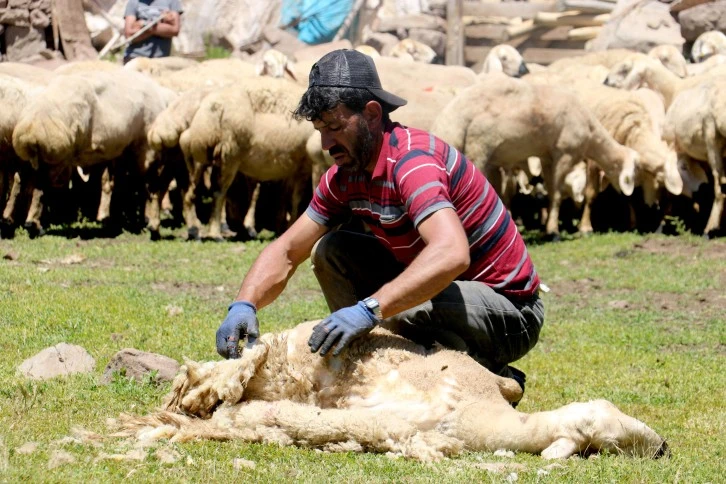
{"x":671,"y":57}
{"x":247,"y":129}
{"x":633,"y":73}
{"x":696,"y":124}
{"x":702,"y":67}
{"x":88,"y":119}
{"x":275,"y":64}
{"x":412,"y":50}
{"x":213,"y":72}
{"x":368,"y":50}
{"x":708,"y":44}
{"x":504,"y":58}
{"x":382,"y":394}
{"x":159,"y":66}
{"x":86,"y":66}
{"x":501,"y":121}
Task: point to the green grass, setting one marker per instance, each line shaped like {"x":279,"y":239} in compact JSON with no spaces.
{"x":637,"y":320}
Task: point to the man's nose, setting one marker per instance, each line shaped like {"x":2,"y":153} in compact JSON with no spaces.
{"x":327,"y":141}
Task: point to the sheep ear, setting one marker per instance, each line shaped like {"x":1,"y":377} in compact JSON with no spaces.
{"x":289,"y":68}
{"x":492,"y":64}
{"x":673,"y":181}
{"x":260,"y":68}
{"x":626,"y":179}
{"x":534,"y":165}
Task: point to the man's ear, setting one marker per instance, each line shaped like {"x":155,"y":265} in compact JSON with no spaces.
{"x":373,"y":113}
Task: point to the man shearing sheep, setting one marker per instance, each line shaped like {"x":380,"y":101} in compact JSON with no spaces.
{"x":443,"y":262}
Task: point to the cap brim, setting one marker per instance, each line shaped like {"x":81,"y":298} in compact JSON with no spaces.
{"x":388,"y":98}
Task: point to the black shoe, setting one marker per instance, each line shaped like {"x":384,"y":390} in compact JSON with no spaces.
{"x":518,"y":376}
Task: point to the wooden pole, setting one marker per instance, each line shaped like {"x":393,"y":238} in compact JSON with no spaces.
{"x":348,"y":20}
{"x":454,"y":33}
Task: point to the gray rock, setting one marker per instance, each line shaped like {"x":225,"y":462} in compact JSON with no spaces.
{"x":137,"y":364}
{"x":702,"y":18}
{"x":59,"y":360}
{"x":638,"y":25}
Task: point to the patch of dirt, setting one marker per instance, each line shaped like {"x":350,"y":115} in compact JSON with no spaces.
{"x":682,"y":246}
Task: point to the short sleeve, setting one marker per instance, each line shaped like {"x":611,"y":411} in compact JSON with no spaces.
{"x":329,"y":205}
{"x":423,"y":184}
{"x":131,"y":8}
{"x":176,"y":6}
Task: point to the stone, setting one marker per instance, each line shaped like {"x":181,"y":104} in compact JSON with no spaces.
{"x":639,"y":25}
{"x":137,"y":364}
{"x":15,"y":16}
{"x":381,"y":41}
{"x":39,"y":19}
{"x":702,"y":18}
{"x":59,"y":360}
{"x":407,"y":22}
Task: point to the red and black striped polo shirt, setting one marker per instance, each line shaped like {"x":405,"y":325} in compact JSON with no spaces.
{"x":417,"y":174}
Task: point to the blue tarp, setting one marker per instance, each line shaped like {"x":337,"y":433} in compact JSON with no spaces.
{"x":317,"y":20}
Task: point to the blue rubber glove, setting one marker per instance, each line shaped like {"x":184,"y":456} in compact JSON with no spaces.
{"x":241,"y":322}
{"x":343,"y":326}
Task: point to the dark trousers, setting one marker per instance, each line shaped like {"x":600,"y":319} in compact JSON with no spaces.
{"x":466,"y":316}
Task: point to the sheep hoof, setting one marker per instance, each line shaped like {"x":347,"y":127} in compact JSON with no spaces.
{"x":193,"y":234}
{"x":34,"y":230}
{"x":154,"y":235}
{"x":7,"y":230}
{"x":553,"y":237}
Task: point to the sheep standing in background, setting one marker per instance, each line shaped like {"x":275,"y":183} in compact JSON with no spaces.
{"x":501,"y":121}
{"x":15,"y":94}
{"x":86,"y":120}
{"x":247,"y":129}
{"x":696,"y":124}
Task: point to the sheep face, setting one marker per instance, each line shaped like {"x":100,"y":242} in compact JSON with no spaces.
{"x":626,"y":177}
{"x":627,"y":74}
{"x":708,"y":44}
{"x":506,"y":59}
{"x":671,"y":58}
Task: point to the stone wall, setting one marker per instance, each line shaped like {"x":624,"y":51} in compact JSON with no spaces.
{"x":23,"y":25}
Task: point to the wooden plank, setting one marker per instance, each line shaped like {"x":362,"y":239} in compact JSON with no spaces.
{"x":547,"y":56}
{"x":74,"y":35}
{"x":573,"y":18}
{"x":589,"y":6}
{"x":454,"y":33}
{"x":555,"y":34}
{"x":484,"y":32}
{"x":526,"y":10}
{"x":679,"y":5}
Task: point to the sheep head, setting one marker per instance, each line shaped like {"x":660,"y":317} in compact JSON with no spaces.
{"x":627,"y":74}
{"x":505,"y":58}
{"x":708,"y":44}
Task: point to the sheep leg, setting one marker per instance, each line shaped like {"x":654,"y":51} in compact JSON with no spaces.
{"x":103,"y":214}
{"x":591,"y":189}
{"x":554,"y":178}
{"x":596,"y":426}
{"x":225,"y":178}
{"x":196,"y":173}
{"x":714,"y":147}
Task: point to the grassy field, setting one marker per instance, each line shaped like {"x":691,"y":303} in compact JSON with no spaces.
{"x":639,"y":320}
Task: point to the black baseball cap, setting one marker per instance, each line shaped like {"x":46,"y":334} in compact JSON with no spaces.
{"x":350,"y":68}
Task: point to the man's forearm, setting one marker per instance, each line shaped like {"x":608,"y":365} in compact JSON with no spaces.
{"x":268,"y":276}
{"x":429,"y":274}
{"x":165,"y":30}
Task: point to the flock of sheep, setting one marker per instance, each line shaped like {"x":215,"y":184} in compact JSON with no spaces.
{"x":650,"y":126}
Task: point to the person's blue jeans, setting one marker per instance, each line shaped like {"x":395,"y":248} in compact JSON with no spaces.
{"x":467,"y":316}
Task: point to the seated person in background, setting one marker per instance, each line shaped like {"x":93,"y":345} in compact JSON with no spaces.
{"x":156,"y":41}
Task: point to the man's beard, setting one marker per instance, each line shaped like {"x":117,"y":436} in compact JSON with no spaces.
{"x":361,"y":150}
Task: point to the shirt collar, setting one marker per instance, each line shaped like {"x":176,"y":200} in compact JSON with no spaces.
{"x":379,"y":171}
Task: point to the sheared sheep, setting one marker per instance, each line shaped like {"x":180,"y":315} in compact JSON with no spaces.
{"x":249,"y":129}
{"x":707,"y":44}
{"x":696,"y":124}
{"x":383,"y":394}
{"x":502,"y":121}
{"x":88,"y":119}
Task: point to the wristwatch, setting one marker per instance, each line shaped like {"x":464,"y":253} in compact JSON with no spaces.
{"x":372,"y":304}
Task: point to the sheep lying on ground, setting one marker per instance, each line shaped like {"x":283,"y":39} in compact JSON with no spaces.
{"x":707,"y":44}
{"x":382,"y":394}
{"x":413,"y":50}
{"x":501,"y":122}
{"x":696,"y":124}
{"x":257,"y":137}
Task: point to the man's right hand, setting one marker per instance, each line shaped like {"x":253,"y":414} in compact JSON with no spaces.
{"x":241,"y":322}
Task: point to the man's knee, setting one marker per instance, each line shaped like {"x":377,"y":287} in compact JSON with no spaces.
{"x":325,"y":250}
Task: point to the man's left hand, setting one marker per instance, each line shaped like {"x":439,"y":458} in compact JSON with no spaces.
{"x":343,"y":326}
